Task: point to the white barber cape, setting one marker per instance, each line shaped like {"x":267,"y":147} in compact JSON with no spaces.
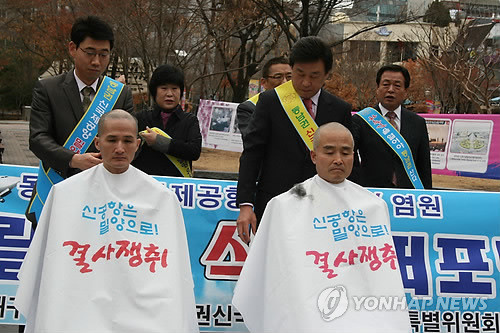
{"x":285,"y":282}
{"x":109,"y":254}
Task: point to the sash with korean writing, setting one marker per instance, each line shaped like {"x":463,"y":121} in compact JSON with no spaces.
{"x":297,"y":113}
{"x":78,"y":141}
{"x":395,"y":140}
{"x":254,"y":99}
{"x":181,"y":165}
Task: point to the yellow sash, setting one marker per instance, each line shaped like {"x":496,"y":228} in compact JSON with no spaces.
{"x":297,"y":113}
{"x":254,"y":99}
{"x":182,"y":165}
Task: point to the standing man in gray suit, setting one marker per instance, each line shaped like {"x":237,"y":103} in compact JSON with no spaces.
{"x":60,"y":102}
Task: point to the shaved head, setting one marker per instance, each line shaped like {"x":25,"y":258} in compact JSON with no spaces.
{"x":330,"y":127}
{"x":117,"y":140}
{"x":115,"y":114}
{"x":333,"y":152}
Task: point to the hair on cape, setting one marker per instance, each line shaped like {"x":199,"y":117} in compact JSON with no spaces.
{"x":299,"y":191}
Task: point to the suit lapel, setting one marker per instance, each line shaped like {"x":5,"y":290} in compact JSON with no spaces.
{"x":322,"y":108}
{"x":405,"y":130}
{"x":71,"y":90}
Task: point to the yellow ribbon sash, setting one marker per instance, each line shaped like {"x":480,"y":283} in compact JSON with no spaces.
{"x":297,"y":113}
{"x":182,"y":165}
{"x":254,"y":99}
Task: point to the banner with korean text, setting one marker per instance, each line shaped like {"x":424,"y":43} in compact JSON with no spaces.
{"x":447,"y":243}
{"x":465,"y":145}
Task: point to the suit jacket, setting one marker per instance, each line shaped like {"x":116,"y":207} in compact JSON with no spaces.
{"x":182,"y":127}
{"x":273,"y":143}
{"x":56,"y":109}
{"x":378,"y":160}
{"x":244,"y":113}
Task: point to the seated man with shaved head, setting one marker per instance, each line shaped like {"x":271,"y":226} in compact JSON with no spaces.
{"x":110,"y":252}
{"x":317,"y":254}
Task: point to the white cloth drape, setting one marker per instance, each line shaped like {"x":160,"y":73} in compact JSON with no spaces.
{"x":279,"y":285}
{"x":56,"y":296}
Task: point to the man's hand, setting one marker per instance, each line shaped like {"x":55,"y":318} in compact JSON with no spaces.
{"x":245,"y":219}
{"x":149,"y":136}
{"x":121,"y":79}
{"x":85,"y":161}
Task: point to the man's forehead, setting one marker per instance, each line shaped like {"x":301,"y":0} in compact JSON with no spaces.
{"x":119,"y":133}
{"x":277,"y":67}
{"x":390,"y":75}
{"x":335,"y":138}
{"x":333,"y":145}
{"x":119,"y":127}
{"x":91,"y":43}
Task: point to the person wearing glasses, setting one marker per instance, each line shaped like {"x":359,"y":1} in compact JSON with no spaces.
{"x":275,"y":72}
{"x":60,"y":102}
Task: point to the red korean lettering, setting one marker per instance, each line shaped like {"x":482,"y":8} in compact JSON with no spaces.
{"x":152,"y":256}
{"x":323,"y":257}
{"x":352,"y":255}
{"x":369,"y":254}
{"x":388,"y":255}
{"x":123,"y":249}
{"x":340,"y":259}
{"x":135,"y":251}
{"x":82,"y":251}
{"x":102,"y":253}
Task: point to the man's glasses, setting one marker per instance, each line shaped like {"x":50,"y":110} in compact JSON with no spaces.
{"x":92,"y":53}
{"x":280,"y":76}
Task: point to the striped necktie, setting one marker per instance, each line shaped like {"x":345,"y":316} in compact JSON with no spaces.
{"x":309,"y":106}
{"x":392,"y":119}
{"x":86,"y":92}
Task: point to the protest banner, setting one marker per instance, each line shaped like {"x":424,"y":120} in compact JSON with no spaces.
{"x":447,"y":243}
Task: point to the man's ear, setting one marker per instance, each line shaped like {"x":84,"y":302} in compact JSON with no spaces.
{"x":263,"y":82}
{"x":313,"y":156}
{"x":72,"y":48}
{"x":138,"y":144}
{"x":96,"y":142}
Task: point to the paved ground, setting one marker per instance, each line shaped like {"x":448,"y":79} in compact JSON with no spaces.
{"x":15,"y":140}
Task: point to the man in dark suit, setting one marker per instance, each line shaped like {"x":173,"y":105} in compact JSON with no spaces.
{"x":379,"y":165}
{"x":276,"y":71}
{"x":58,"y":102}
{"x":273,"y":145}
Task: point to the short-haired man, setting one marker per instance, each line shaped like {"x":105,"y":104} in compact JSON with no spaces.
{"x":276,"y":71}
{"x":110,"y":252}
{"x":60,"y":102}
{"x":276,"y":148}
{"x":180,"y":137}
{"x":380,"y":166}
{"x":309,"y":251}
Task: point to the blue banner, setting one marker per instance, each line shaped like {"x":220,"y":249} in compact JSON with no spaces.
{"x":447,"y":242}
